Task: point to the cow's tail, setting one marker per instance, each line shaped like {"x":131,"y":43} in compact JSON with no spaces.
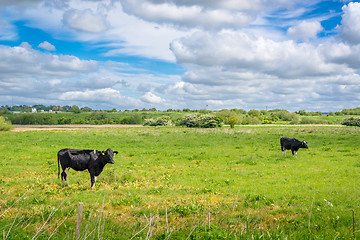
{"x":58,"y":165}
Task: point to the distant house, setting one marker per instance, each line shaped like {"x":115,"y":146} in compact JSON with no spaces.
{"x":33,"y":110}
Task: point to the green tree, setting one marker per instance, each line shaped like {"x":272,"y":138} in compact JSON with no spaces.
{"x":75,"y":109}
{"x":86,"y":109}
{"x":232,"y":120}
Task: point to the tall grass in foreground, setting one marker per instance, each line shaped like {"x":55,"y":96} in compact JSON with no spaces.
{"x":156,"y":188}
{"x":5,"y":125}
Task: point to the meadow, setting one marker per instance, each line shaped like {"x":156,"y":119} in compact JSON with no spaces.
{"x":182,"y":183}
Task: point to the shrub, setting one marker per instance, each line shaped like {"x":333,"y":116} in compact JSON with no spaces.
{"x":133,"y":119}
{"x":209,"y":121}
{"x":33,"y":118}
{"x":5,"y":125}
{"x":249,"y":120}
{"x":311,"y":120}
{"x":163,"y":121}
{"x":160,"y":121}
{"x":232,"y":120}
{"x":150,"y":122}
{"x":190,"y":120}
{"x":99,"y":118}
{"x":80,"y":121}
{"x":200,"y":120}
{"x":351,"y":122}
{"x":64,"y":120}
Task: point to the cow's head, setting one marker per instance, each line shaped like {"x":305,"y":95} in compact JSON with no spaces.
{"x":109,"y":154}
{"x":304,"y":145}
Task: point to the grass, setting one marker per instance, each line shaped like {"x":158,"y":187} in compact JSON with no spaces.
{"x":251,"y":189}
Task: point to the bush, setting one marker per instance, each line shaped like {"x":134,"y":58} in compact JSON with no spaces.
{"x":5,"y":125}
{"x":250,"y":120}
{"x":232,"y":120}
{"x":80,"y":121}
{"x":312,"y":120}
{"x":190,"y":120}
{"x":33,"y":118}
{"x":99,"y":118}
{"x":351,"y":122}
{"x":160,"y":121}
{"x":209,"y":121}
{"x":64,"y":120}
{"x":201,"y":121}
{"x":133,"y":119}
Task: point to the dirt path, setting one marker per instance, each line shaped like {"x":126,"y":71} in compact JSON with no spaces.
{"x":22,"y":128}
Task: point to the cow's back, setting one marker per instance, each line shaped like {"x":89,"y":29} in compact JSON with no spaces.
{"x":288,"y":142}
{"x":78,"y":160}
{"x":284,"y":140}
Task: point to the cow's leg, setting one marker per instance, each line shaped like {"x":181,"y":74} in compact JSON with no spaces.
{"x":283,"y":151}
{"x":295,"y":154}
{"x":93,"y":179}
{"x":67,"y":175}
{"x":63,"y":177}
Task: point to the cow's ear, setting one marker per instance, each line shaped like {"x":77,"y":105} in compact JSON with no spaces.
{"x":116,"y":152}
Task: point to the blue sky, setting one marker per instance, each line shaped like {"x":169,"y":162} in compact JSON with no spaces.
{"x":177,"y":54}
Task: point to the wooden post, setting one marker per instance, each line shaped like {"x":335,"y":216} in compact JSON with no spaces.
{"x":209,"y":215}
{"x":205,"y":223}
{"x":353,"y":213}
{"x":78,"y":222}
{"x":167,"y":223}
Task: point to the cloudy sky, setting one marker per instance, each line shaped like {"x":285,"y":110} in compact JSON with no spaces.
{"x":198,"y":54}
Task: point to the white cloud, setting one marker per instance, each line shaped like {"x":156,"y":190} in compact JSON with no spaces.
{"x":47,"y":46}
{"x":187,"y":16}
{"x":26,"y":72}
{"x":341,"y":53}
{"x":23,"y":3}
{"x":149,"y":97}
{"x":203,"y":14}
{"x":106,"y":96}
{"x":236,"y":50}
{"x":305,"y":30}
{"x":85,"y":20}
{"x":235,"y":53}
{"x":350,"y":24}
{"x":23,"y":60}
{"x":7,"y":31}
{"x":229,"y":67}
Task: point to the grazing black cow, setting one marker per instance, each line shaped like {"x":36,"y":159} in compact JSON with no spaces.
{"x":291,"y":144}
{"x":92,"y":160}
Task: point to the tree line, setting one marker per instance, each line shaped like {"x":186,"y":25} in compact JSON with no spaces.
{"x":53,"y":115}
{"x":76,"y":109}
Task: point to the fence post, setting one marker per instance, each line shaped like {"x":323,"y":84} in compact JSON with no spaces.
{"x":205,"y":223}
{"x":78,"y":222}
{"x":209,"y":216}
{"x":353,"y":215}
{"x":167,"y":223}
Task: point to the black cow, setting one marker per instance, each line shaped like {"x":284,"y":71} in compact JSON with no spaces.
{"x":92,"y":160}
{"x":291,"y":144}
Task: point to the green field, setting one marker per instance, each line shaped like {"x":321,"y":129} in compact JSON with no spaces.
{"x":164,"y":177}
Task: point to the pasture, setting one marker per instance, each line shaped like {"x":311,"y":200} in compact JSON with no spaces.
{"x":167,"y":181}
